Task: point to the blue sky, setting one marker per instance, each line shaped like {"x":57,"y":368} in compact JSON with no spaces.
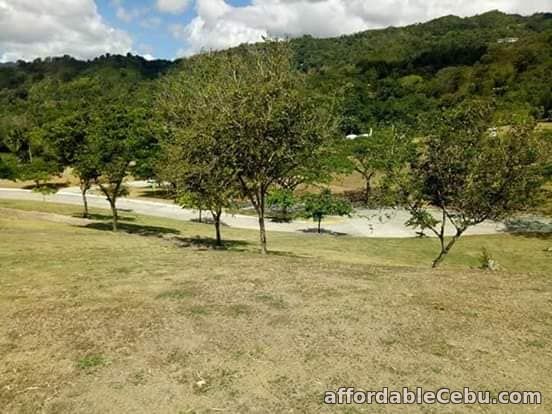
{"x":153,"y":39}
{"x":150,"y":29}
{"x":174,"y":28}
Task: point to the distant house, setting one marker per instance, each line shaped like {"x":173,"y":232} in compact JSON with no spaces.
{"x":493,"y":132}
{"x":354,"y":136}
{"x":508,"y":40}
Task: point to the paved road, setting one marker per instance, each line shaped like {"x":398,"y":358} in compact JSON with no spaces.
{"x":365,"y":223}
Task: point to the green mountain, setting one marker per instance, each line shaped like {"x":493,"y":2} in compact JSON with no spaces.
{"x":394,"y":75}
{"x":387,"y":76}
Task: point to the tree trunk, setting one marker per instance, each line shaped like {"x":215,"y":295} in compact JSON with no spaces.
{"x":262,"y":227}
{"x":367,"y":191}
{"x":216,"y":218}
{"x":446,"y":248}
{"x":200,"y":215}
{"x":319,"y":225}
{"x":114,"y":214}
{"x":262,"y":230}
{"x":285,"y":214}
{"x":84,"y":188}
{"x":257,"y":198}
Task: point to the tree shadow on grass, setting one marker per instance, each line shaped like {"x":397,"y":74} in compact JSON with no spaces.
{"x":104,"y":217}
{"x":148,"y":231}
{"x":322,"y":232}
{"x":208,"y":220}
{"x":208,"y":243}
{"x":172,"y":235}
{"x":530,"y":228}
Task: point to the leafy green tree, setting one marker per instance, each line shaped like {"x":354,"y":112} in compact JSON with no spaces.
{"x":120,"y":139}
{"x":38,"y":170}
{"x":276,"y":125}
{"x":254,"y":104}
{"x":8,"y":167}
{"x":203,"y":191}
{"x":370,"y":155}
{"x":70,"y":137}
{"x":471,"y":173}
{"x":203,"y":181}
{"x":277,"y":128}
{"x":194,"y":156}
{"x":319,"y":206}
{"x":45,"y":191}
{"x":282,"y":200}
{"x":35,"y":156}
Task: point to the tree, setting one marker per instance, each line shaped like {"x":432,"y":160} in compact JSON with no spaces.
{"x":283,"y":200}
{"x":204,"y":181}
{"x":38,"y":170}
{"x":194,"y":156}
{"x":277,"y":127}
{"x":70,"y":137}
{"x":203,"y":190}
{"x":8,"y":167}
{"x":318,"y":206}
{"x":369,"y":155}
{"x":255,"y":105}
{"x":120,"y":139}
{"x":33,"y":154}
{"x":471,"y":173}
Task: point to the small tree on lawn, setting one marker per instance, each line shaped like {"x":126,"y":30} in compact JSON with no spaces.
{"x":283,"y":200}
{"x":319,"y":206}
{"x":39,"y":170}
{"x":70,"y":137}
{"x":194,"y":153}
{"x":369,"y":155}
{"x":204,"y":179}
{"x":204,"y":190}
{"x":276,"y":125}
{"x":34,"y":155}
{"x":120,"y":139}
{"x":189,"y":200}
{"x":470,"y":174}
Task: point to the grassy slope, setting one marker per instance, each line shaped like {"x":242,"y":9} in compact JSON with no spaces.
{"x":513,"y":252}
{"x":97,"y":322}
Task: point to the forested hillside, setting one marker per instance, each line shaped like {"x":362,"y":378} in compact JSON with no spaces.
{"x":385,"y":77}
{"x":393,"y":75}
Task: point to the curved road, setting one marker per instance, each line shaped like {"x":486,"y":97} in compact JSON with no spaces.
{"x":365,"y":223}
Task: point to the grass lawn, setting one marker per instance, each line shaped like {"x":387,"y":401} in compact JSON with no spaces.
{"x":95,"y":322}
{"x":513,"y":252}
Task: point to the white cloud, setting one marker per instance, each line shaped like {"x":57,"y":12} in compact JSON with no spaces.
{"x":151,"y":22}
{"x":173,"y":6}
{"x":41,"y":28}
{"x":220,"y":25}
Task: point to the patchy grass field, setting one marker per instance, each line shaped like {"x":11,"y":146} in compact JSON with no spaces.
{"x":95,"y":322}
{"x":524,"y":253}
